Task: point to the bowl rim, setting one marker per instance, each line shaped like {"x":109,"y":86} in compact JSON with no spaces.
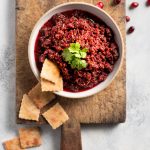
{"x":74,"y":94}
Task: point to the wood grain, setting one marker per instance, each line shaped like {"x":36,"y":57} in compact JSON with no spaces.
{"x":108,"y":106}
{"x":71,"y":136}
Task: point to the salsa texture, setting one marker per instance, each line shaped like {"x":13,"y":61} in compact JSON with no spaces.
{"x":91,"y":33}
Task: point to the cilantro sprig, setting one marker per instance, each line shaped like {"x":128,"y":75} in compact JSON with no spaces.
{"x":74,"y":56}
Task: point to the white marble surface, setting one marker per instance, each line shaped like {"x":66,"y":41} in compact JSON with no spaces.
{"x":133,"y":134}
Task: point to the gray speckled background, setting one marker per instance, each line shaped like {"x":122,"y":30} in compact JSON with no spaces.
{"x":133,"y":134}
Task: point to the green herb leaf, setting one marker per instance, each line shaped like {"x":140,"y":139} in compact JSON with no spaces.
{"x":83,"y":54}
{"x":78,"y":63}
{"x":67,"y":55}
{"x":74,"y":48}
{"x":75,"y":45}
{"x":73,"y":55}
{"x":84,"y":64}
{"x":84,"y":50}
{"x":78,"y":55}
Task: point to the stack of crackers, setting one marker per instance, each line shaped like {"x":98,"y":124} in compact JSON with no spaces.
{"x":41,"y":95}
{"x":51,"y":80}
{"x":32,"y":103}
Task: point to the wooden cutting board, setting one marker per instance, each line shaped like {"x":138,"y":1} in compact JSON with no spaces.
{"x":108,"y":106}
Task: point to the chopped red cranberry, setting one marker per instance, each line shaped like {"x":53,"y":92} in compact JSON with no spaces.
{"x":100,"y":5}
{"x":117,"y":1}
{"x":127,"y":18}
{"x":42,"y":58}
{"x":148,"y":2}
{"x":131,"y":29}
{"x":134,"y":5}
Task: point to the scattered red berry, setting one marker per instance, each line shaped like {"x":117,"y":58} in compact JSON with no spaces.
{"x":148,"y":2}
{"x":100,"y":5}
{"x":131,"y":29}
{"x":127,"y":18}
{"x":117,"y":1}
{"x":134,"y":5}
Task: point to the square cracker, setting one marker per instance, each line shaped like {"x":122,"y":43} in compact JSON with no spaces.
{"x":40,"y":98}
{"x":50,"y":71}
{"x":30,"y":137}
{"x":49,"y":86}
{"x":56,"y":116}
{"x":13,"y":144}
{"x":28,"y":109}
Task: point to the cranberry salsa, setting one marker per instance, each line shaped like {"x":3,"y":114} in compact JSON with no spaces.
{"x":90,"y":33}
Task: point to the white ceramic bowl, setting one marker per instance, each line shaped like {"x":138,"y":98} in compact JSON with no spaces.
{"x":93,"y":10}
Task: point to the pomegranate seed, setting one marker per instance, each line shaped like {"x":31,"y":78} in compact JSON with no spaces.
{"x":134,"y":4}
{"x":100,"y":5}
{"x":148,"y":2}
{"x":127,"y":18}
{"x":117,"y":1}
{"x":131,"y":29}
